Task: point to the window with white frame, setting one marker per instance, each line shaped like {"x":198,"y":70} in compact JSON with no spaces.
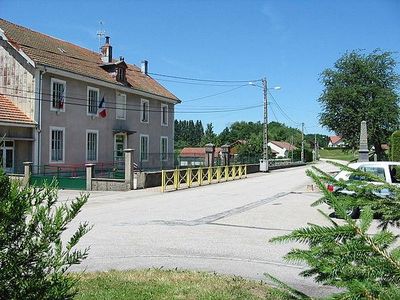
{"x":92,"y":143}
{"x":144,"y":111}
{"x":164,"y":148}
{"x":58,"y":91}
{"x":57,"y":144}
{"x":164,"y":114}
{"x":92,"y":100}
{"x":120,"y":106}
{"x":144,"y":147}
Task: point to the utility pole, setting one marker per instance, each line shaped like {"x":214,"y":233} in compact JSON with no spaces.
{"x":264,"y":162}
{"x":292,"y":143}
{"x":302,"y":142}
{"x":315,"y":147}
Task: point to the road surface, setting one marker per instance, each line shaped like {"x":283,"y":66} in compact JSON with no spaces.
{"x":222,"y":227}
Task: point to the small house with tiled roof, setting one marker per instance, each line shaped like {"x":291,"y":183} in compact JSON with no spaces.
{"x":336,"y":141}
{"x":196,"y":156}
{"x":281,"y":149}
{"x":70,"y":105}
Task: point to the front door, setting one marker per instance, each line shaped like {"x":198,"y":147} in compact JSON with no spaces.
{"x":7,"y":156}
{"x":120,"y":143}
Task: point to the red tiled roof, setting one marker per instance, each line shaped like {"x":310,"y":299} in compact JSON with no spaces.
{"x":285,"y":145}
{"x":10,"y":113}
{"x":193,"y":152}
{"x":197,"y":152}
{"x":335,"y":139}
{"x":48,"y":51}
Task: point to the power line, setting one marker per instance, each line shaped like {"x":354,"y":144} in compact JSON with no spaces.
{"x":204,"y":80}
{"x":107,"y":106}
{"x":216,"y":94}
{"x":196,"y":83}
{"x":273,"y":112}
{"x":281,"y":110}
{"x":84,"y":98}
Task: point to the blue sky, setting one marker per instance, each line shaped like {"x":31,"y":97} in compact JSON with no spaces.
{"x":288,"y":42}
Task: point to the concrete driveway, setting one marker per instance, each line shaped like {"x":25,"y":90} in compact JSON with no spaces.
{"x":223,"y":227}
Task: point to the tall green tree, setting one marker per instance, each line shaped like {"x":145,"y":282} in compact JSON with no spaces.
{"x":209,"y":135}
{"x":361,"y":87}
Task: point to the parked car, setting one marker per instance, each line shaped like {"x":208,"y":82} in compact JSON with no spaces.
{"x":386,"y":170}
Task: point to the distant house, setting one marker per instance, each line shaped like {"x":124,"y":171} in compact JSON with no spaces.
{"x":336,"y":141}
{"x":195,"y":156}
{"x":281,"y":149}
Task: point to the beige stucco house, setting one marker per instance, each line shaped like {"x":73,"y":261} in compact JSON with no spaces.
{"x":79,"y":106}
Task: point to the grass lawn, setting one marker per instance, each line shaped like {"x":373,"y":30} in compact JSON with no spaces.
{"x":168,"y":284}
{"x":337,"y":153}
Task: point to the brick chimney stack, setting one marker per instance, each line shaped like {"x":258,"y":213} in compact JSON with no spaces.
{"x":106,"y":51}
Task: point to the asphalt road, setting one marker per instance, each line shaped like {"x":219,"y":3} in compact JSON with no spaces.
{"x":223,"y":227}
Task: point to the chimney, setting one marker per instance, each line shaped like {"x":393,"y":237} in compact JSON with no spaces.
{"x":106,"y":51}
{"x":145,"y":67}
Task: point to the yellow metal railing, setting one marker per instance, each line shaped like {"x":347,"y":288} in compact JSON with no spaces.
{"x":186,"y":178}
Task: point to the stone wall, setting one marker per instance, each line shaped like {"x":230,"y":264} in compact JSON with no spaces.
{"x":105,"y":184}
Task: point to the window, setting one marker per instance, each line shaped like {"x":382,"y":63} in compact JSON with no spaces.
{"x":164,"y":114}
{"x":144,"y":147}
{"x":121,"y":74}
{"x":92,"y":145}
{"x":57,"y":144}
{"x":92,"y":100}
{"x":144,"y":111}
{"x":164,"y":148}
{"x":58,"y":88}
{"x":121,"y":107}
{"x":376,"y":171}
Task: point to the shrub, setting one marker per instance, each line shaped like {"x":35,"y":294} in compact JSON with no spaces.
{"x":395,"y":146}
{"x":33,"y":258}
{"x":308,"y":156}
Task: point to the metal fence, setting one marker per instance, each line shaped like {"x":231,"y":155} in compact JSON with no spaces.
{"x":186,"y":178}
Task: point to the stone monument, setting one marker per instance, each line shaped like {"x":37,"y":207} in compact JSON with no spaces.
{"x":363,"y":151}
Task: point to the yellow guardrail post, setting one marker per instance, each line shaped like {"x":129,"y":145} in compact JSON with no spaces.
{"x":189,"y":177}
{"x":176,"y":179}
{"x":200,"y":174}
{"x":245,"y":171}
{"x":240,"y":171}
{"x":233,"y":172}
{"x":226,"y":173}
{"x":163,"y":181}
{"x":209,"y":174}
{"x":218,"y":174}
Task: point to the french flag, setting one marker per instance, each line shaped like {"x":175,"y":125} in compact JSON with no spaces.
{"x":102,"y":108}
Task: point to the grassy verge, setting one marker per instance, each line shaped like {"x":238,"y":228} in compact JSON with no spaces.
{"x":337,"y":153}
{"x":168,"y":284}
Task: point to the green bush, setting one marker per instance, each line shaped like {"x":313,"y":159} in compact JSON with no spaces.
{"x":395,"y":146}
{"x":308,"y":156}
{"x":33,"y":258}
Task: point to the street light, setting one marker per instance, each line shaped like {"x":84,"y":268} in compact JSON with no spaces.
{"x":264,"y":161}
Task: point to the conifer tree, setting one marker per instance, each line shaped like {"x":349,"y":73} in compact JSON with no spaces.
{"x":346,"y":254}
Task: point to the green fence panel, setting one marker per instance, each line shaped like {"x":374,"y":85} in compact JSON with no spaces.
{"x":72,"y":183}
